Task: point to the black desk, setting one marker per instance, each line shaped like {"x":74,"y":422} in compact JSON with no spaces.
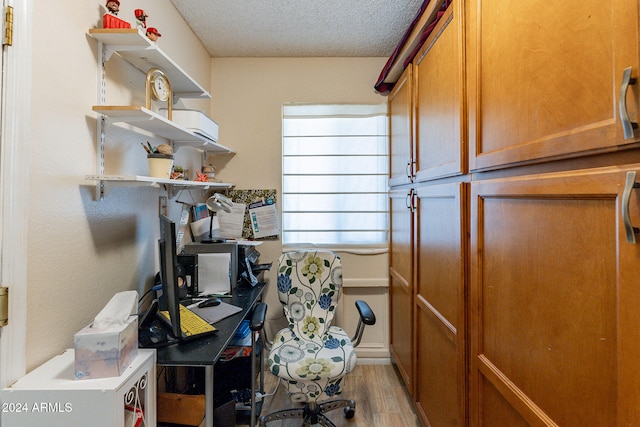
{"x":205,"y":352}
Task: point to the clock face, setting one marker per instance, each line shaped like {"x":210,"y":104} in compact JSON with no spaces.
{"x":160,"y":87}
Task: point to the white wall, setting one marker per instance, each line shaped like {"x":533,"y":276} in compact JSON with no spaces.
{"x":82,"y":251}
{"x":247,"y":99}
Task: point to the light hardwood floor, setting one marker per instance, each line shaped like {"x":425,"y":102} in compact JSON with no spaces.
{"x":381,"y":400}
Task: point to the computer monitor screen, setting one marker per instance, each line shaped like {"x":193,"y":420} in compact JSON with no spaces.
{"x":168,"y":274}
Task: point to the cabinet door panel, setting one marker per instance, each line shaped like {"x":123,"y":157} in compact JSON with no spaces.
{"x":401,"y":233}
{"x":496,"y":410}
{"x":401,"y":129}
{"x":440,"y":301}
{"x":439,"y":95}
{"x":401,"y":344}
{"x":545,"y":81}
{"x":437,"y":390}
{"x":553,"y":297}
{"x":401,"y":277}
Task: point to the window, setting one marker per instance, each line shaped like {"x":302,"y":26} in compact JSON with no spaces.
{"x":335,"y":175}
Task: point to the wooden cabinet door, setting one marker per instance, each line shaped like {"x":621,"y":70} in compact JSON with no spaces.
{"x":441,"y":148}
{"x":401,"y":276}
{"x":554,"y":299}
{"x":401,"y":153}
{"x":545,"y":79}
{"x":441,"y":232}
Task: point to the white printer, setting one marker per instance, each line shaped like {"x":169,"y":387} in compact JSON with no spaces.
{"x":195,"y":121}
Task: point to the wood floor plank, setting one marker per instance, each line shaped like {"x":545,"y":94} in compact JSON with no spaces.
{"x":381,"y":400}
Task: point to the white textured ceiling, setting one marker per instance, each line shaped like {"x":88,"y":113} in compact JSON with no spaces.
{"x":295,"y":28}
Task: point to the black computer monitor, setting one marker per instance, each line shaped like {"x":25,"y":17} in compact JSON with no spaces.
{"x":168,"y":274}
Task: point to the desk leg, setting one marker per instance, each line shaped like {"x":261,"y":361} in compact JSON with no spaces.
{"x":208,"y":395}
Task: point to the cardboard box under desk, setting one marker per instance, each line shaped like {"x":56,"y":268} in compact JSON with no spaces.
{"x":105,"y":353}
{"x":185,"y":409}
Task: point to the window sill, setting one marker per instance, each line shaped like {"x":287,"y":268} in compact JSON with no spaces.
{"x":350,"y":249}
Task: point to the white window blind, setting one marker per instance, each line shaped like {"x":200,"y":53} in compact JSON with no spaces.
{"x":335,"y":175}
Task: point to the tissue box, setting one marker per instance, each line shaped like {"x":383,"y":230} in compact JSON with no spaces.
{"x":101,"y":353}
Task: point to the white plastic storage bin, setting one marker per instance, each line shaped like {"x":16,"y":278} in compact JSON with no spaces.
{"x":49,"y":396}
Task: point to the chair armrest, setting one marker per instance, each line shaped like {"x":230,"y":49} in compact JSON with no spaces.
{"x":259,"y":314}
{"x":366,"y":318}
{"x":366,"y":314}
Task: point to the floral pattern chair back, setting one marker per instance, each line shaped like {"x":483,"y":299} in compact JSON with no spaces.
{"x":309,"y":286}
{"x":311,"y":355}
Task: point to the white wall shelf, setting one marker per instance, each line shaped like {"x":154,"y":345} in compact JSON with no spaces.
{"x":134,"y":47}
{"x":157,"y":124}
{"x":106,"y":182}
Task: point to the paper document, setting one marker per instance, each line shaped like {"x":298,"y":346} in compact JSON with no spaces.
{"x":214,"y":273}
{"x":231,"y":222}
{"x":264,"y":220}
{"x":200,"y":228}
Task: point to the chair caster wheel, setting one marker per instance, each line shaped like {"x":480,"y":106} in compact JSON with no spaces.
{"x":349,"y":412}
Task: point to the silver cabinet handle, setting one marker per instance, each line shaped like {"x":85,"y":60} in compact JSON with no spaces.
{"x":410,"y":200}
{"x":629,"y":229}
{"x":627,"y":125}
{"x":409,"y":170}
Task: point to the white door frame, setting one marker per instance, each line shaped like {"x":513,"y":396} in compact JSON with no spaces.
{"x":15,"y":138}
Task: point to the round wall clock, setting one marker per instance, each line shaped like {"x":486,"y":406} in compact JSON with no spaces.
{"x":158,"y":88}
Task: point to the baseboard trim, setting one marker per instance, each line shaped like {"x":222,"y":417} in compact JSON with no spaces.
{"x":374,"y":361}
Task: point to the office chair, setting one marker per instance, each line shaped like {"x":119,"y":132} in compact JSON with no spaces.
{"x":311,"y":355}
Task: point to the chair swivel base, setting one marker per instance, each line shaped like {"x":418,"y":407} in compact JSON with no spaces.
{"x":312,"y":413}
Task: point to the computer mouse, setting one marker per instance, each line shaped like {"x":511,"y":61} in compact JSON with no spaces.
{"x":156,"y":334}
{"x":211,"y":302}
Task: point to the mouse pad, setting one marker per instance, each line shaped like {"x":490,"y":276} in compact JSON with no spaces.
{"x":215,"y":313}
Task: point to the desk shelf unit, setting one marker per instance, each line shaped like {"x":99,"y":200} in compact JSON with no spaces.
{"x":134,"y":47}
{"x":50,"y":396}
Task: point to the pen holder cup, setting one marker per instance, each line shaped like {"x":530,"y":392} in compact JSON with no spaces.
{"x":160,"y":165}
